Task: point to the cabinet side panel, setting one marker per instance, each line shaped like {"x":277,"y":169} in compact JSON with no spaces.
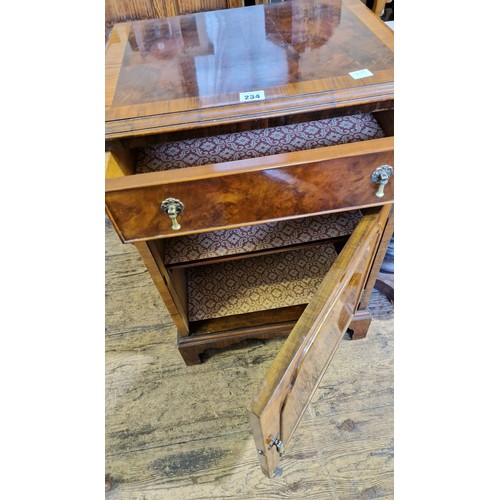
{"x":165,"y":288}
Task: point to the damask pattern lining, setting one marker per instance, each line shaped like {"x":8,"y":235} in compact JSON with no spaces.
{"x":258,"y":283}
{"x":257,"y":143}
{"x":259,"y":237}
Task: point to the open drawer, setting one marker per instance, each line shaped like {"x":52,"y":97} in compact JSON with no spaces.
{"x":283,"y":395}
{"x":351,"y":173}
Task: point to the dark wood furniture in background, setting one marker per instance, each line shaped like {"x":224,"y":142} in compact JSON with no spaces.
{"x":117,"y":11}
{"x":186,"y":77}
{"x":125,"y":10}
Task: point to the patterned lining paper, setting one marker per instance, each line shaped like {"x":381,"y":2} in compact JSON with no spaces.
{"x":259,"y":237}
{"x":257,"y":143}
{"x":258,"y":283}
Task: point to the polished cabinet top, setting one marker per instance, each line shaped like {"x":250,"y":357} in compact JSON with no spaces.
{"x":244,"y":63}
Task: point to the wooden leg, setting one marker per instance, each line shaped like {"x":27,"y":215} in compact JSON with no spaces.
{"x":175,"y":305}
{"x":386,"y":287}
{"x":363,"y":318}
{"x":192,"y":347}
{"x":191,"y":355}
{"x":378,"y":7}
{"x":360,"y":324}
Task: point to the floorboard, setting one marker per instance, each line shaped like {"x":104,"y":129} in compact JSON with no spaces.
{"x":178,"y":432}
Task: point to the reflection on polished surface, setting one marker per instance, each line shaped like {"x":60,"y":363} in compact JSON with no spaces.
{"x":222,"y":53}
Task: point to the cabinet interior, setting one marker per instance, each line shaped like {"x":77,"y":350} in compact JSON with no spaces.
{"x":222,"y":279}
{"x":256,"y":275}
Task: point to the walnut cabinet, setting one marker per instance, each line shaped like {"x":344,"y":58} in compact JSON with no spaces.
{"x":250,"y":160}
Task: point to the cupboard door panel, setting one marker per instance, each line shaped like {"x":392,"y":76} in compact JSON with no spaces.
{"x":283,"y":396}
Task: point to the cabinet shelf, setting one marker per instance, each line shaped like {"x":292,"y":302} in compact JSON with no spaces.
{"x":258,"y":283}
{"x":196,"y":249}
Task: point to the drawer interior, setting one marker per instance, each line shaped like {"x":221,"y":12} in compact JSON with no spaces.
{"x":258,"y":143}
{"x":253,"y":140}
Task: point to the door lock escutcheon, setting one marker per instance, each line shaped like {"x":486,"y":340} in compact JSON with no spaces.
{"x":280,"y":446}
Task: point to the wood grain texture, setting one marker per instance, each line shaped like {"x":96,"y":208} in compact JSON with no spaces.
{"x":384,"y":243}
{"x":282,"y":398}
{"x":174,"y":431}
{"x":247,"y":191}
{"x":379,"y":6}
{"x":119,"y":163}
{"x":154,"y":264}
{"x":182,"y":432}
{"x":360,"y":324}
{"x":300,"y":53}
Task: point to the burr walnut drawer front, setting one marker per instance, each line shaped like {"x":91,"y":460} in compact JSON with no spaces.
{"x":146,"y":200}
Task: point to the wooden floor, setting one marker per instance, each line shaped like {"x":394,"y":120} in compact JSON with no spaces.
{"x":178,"y":432}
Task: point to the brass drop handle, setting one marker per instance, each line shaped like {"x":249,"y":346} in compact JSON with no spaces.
{"x":173,"y":208}
{"x":381,"y":176}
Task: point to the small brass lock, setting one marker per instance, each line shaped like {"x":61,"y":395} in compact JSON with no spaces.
{"x":381,"y":176}
{"x":173,"y":208}
{"x":280,"y":447}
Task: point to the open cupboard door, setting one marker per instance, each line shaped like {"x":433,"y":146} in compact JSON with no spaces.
{"x":289,"y":385}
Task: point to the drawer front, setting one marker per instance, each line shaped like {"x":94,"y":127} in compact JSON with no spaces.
{"x":250,"y":191}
